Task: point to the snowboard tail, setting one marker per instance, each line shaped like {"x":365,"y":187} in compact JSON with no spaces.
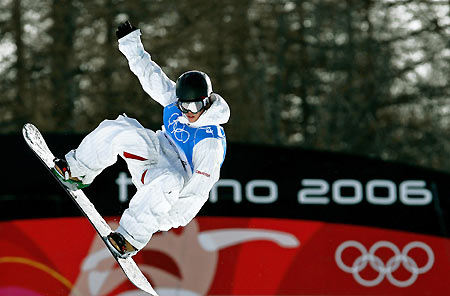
{"x":34,"y":139}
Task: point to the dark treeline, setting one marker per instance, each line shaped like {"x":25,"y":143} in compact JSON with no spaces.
{"x":365,"y":77}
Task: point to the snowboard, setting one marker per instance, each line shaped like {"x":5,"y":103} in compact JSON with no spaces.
{"x":37,"y":143}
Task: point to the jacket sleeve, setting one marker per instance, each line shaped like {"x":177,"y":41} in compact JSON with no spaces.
{"x":153,"y":80}
{"x":207,"y":159}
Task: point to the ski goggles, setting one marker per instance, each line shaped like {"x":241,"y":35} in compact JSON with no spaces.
{"x":193,"y":107}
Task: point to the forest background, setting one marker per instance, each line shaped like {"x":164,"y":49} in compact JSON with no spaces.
{"x":361,"y":77}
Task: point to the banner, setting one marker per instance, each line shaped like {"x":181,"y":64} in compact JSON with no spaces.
{"x":280,"y":221}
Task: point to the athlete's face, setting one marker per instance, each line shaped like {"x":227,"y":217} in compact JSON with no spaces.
{"x":193,"y":117}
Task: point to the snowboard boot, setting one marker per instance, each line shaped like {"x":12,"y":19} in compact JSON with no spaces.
{"x":62,"y":172}
{"x":120,"y":246}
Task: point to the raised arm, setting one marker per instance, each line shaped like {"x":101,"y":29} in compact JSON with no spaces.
{"x":153,"y":80}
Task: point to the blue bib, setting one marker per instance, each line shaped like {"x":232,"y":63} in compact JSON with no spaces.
{"x":186,"y":137}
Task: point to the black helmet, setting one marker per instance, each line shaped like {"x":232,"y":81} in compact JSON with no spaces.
{"x":193,"y":86}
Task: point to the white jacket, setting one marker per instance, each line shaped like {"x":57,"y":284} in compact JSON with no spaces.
{"x":207,"y":155}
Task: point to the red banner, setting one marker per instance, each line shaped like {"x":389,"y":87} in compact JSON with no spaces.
{"x":225,"y":256}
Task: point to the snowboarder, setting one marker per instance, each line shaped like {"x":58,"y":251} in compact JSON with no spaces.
{"x":174,"y":168}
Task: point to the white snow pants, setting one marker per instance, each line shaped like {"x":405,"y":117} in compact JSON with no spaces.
{"x":155,"y":169}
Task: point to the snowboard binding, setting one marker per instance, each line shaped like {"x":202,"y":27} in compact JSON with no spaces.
{"x":120,"y":246}
{"x":62,"y":171}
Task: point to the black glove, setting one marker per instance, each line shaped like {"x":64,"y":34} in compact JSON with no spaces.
{"x":124,"y":29}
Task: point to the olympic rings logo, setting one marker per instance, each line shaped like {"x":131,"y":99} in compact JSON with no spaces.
{"x":384,"y":269}
{"x":180,"y":134}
